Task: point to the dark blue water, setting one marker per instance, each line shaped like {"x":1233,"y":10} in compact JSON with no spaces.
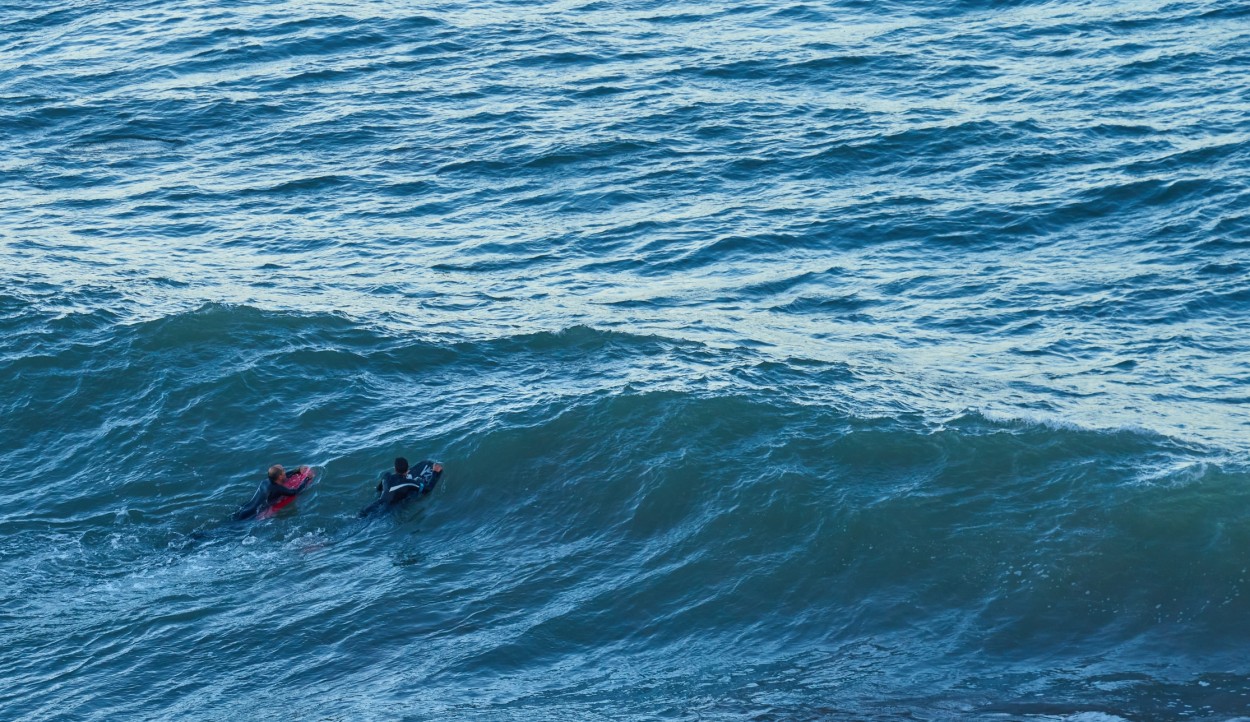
{"x":848,"y":361}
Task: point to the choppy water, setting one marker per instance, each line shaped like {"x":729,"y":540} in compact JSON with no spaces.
{"x":862,"y":361}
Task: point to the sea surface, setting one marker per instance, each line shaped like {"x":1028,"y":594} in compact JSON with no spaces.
{"x":788,"y":361}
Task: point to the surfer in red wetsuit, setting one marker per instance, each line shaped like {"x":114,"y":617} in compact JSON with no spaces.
{"x":278,"y":487}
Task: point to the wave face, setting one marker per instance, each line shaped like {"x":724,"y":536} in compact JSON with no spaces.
{"x":835,"y":361}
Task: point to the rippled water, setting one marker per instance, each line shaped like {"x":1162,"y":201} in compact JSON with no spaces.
{"x":810,"y":361}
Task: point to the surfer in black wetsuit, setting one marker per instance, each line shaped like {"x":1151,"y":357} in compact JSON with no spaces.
{"x":402,"y":483}
{"x":274,"y":489}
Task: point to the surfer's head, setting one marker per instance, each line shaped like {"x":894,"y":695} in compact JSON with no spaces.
{"x":277,"y":473}
{"x":401,"y":465}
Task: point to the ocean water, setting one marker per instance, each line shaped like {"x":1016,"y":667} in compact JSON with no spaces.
{"x":789,"y":361}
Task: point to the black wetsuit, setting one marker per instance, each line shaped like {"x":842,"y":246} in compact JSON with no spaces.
{"x":266,"y":494}
{"x":394,"y":488}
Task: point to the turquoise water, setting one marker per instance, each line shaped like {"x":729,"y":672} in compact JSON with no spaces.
{"x":811,"y":361}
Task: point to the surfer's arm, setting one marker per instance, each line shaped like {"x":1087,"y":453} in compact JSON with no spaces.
{"x":308,"y":477}
{"x":246,"y":511}
{"x":280,"y":490}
